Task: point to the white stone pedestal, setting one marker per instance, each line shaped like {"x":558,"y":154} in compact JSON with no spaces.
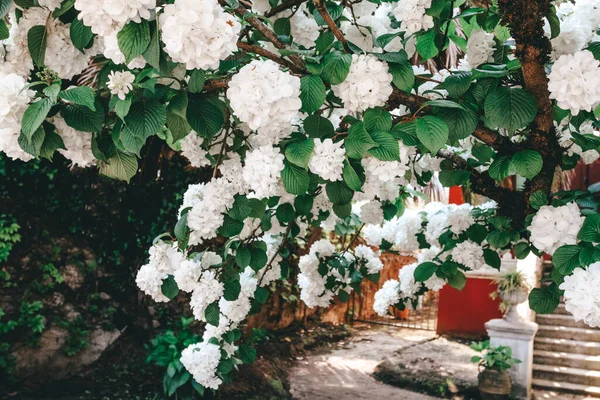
{"x":519,"y":336}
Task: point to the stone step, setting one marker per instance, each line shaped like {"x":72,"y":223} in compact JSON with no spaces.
{"x":563,"y":332}
{"x":590,"y":391}
{"x":567,"y":346}
{"x":566,"y":374}
{"x":562,"y":359}
{"x":561,"y":320}
{"x":560,"y":310}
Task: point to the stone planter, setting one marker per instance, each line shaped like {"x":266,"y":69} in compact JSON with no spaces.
{"x":494,"y":384}
{"x":512,"y":299}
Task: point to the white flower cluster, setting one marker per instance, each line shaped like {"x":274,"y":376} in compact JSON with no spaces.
{"x":262,"y":171}
{"x":368,"y":84}
{"x":369,"y":258}
{"x":469,"y":254}
{"x":14,"y":100}
{"x":120,"y":83}
{"x":78,"y":144}
{"x":312,"y":284}
{"x":303,"y":27}
{"x":387,"y":296}
{"x":371,"y":213}
{"x":265,"y":98}
{"x":202,"y":360}
{"x":480,"y":48}
{"x":108,"y":16}
{"x":164,"y":259}
{"x":581,"y":296}
{"x":190,"y":149}
{"x":237,"y":310}
{"x":552,"y":227}
{"x":412,"y":17}
{"x":575,"y":82}
{"x":327,"y":160}
{"x":565,"y":139}
{"x":198,"y":33}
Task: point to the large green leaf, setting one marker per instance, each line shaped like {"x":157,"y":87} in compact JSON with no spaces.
{"x":339,"y":193}
{"x":527,"y":163}
{"x":403,"y":76}
{"x":81,"y":35}
{"x":377,"y":120}
{"x":510,"y":108}
{"x":134,"y":39}
{"x":336,"y":67}
{"x":169,"y":287}
{"x":432,"y":132}
{"x":590,"y":231}
{"x":457,"y":84}
{"x":316,"y":126}
{"x":425,"y":271}
{"x":353,"y":178}
{"x":426,"y":46}
{"x":566,"y":258}
{"x":358,"y":141}
{"x":121,"y":165}
{"x":145,"y":118}
{"x":5,"y":7}
{"x":295,"y":179}
{"x":32,"y":145}
{"x":544,"y":300}
{"x":449,"y":178}
{"x":204,"y":116}
{"x":299,"y":153}
{"x":387,"y":148}
{"x":82,"y":118}
{"x":500,"y":167}
{"x":36,"y":43}
{"x":312,"y":93}
{"x":33,"y":117}
{"x":80,"y":95}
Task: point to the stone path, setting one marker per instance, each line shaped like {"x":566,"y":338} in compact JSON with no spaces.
{"x":345,"y":372}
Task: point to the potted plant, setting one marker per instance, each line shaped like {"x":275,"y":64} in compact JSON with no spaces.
{"x":513,"y":290}
{"x":494,"y":380}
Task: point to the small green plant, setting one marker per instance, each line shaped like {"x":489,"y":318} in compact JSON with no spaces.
{"x":509,"y":282}
{"x":9,"y":235}
{"x":165,"y":351}
{"x":493,"y":357}
{"x":77,"y":339}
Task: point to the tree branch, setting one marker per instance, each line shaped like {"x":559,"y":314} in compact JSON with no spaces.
{"x":331,"y":24}
{"x":271,"y":56}
{"x":283,"y":6}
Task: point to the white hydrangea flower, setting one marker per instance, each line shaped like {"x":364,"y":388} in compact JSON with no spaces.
{"x":13,"y":103}
{"x":480,"y":48}
{"x":199,"y":33}
{"x":575,"y":82}
{"x":303,"y":27}
{"x":78,"y":144}
{"x":572,"y":38}
{"x":469,"y":254}
{"x":411,"y":14}
{"x":327,"y":160}
{"x":372,"y":235}
{"x":208,"y":290}
{"x":202,"y":361}
{"x":407,"y":228}
{"x":387,"y":296}
{"x":210,"y":259}
{"x":149,"y":279}
{"x":368,"y":84}
{"x":460,"y":218}
{"x":192,"y":196}
{"x":581,"y":296}
{"x":262,"y":171}
{"x":187,"y":275}
{"x":50,"y":5}
{"x":190,"y":149}
{"x":371,"y":213}
{"x":236,"y":310}
{"x":552,"y":227}
{"x":565,"y":139}
{"x":373,"y":263}
{"x":587,"y":12}
{"x":166,"y":257}
{"x":408,"y":286}
{"x":120,"y":83}
{"x":265,"y":98}
{"x":385,"y":171}
{"x":108,"y":16}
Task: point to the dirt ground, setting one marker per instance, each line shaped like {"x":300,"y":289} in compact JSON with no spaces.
{"x":344,"y":373}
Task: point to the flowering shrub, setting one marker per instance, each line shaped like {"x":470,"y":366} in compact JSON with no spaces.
{"x":312,"y":114}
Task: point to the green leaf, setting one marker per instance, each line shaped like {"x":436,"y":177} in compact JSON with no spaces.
{"x":145,"y":118}
{"x":449,"y":178}
{"x":425,"y":271}
{"x":4,"y":31}
{"x":81,"y":35}
{"x":403,"y":76}
{"x":538,"y":199}
{"x":261,"y":294}
{"x":336,"y":67}
{"x":197,"y":79}
{"x":303,"y":204}
{"x":36,"y":43}
{"x":169,"y":288}
{"x":122,"y":166}
{"x":243,"y":257}
{"x":32,"y":145}
{"x":351,"y":177}
{"x":432,"y":132}
{"x":181,"y":229}
{"x":152,"y":52}
{"x":521,"y":250}
{"x":491,"y":258}
{"x":134,"y":39}
{"x":52,"y":91}
{"x":387,"y":148}
{"x":527,"y":163}
{"x":212,"y":314}
{"x":590,"y":231}
{"x":295,"y":179}
{"x":5,"y":7}
{"x":318,"y":127}
{"x":52,"y":142}
{"x":458,"y":280}
{"x":64,"y":7}
{"x":82,"y":118}
{"x":377,"y":120}
{"x":204,"y":116}
{"x":285,"y":213}
{"x":231,"y":227}
{"x":566,"y":258}
{"x":299,"y":153}
{"x":241,"y":208}
{"x":339,"y":193}
{"x":33,"y":117}
{"x":498,"y":239}
{"x":122,"y":108}
{"x":259,"y":259}
{"x":358,"y":141}
{"x":324,"y":40}
{"x":554,"y":23}
{"x":80,"y":95}
{"x":231,"y":290}
{"x":477,"y":233}
{"x":589,"y":255}
{"x":246,"y":353}
{"x":312,"y":93}
{"x":500,"y":168}
{"x":426,"y":46}
{"x":458,"y":84}
{"x":544,"y":300}
{"x":510,"y":108}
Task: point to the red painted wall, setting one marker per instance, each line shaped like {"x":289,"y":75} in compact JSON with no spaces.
{"x":464,"y":313}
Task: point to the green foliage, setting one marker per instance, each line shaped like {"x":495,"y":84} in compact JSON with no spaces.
{"x":493,"y":357}
{"x":9,"y":236}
